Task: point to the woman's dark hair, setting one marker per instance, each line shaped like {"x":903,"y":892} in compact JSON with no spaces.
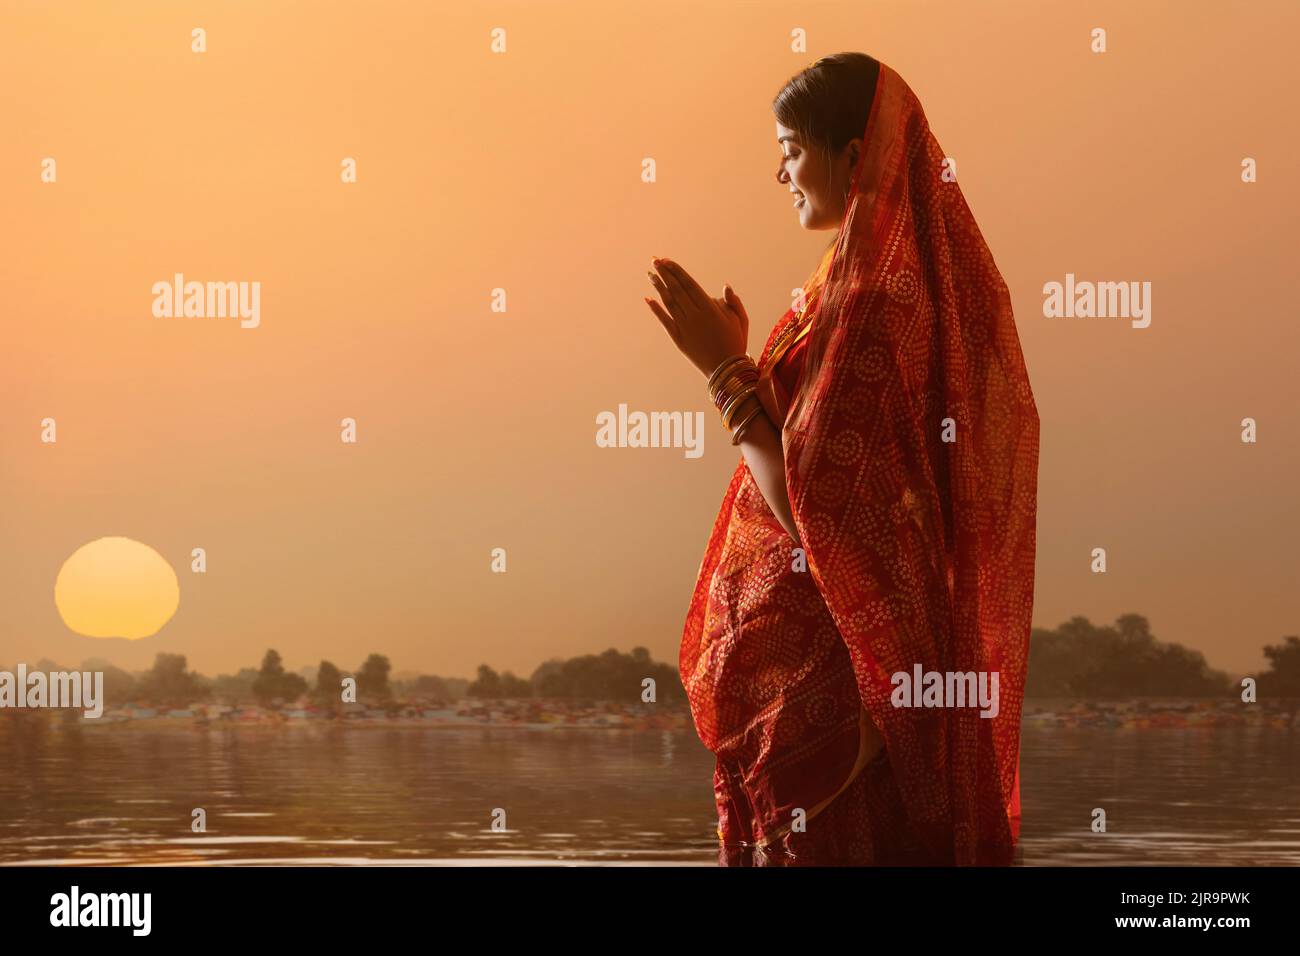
{"x":828,"y":103}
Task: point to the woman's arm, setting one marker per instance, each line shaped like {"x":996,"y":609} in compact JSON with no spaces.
{"x":760,"y":443}
{"x":710,"y":331}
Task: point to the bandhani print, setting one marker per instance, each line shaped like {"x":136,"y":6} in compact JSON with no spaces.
{"x":918,"y":550}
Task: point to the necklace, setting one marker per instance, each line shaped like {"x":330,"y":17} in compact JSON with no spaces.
{"x":789,"y":333}
{"x":800,"y":313}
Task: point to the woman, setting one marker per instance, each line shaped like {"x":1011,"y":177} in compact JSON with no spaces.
{"x":881,"y":522}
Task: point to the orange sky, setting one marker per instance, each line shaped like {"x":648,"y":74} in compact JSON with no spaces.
{"x":522,"y":170}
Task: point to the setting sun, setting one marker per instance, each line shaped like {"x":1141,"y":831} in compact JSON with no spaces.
{"x":116,"y":587}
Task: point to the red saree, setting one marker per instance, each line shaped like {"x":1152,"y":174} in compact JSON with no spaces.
{"x":911,"y":455}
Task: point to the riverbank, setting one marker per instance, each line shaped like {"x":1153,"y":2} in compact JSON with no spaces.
{"x":552,"y":715}
{"x":561,"y":715}
{"x":1159,"y":713}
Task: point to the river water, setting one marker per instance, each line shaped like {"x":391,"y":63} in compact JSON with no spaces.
{"x":355,"y":795}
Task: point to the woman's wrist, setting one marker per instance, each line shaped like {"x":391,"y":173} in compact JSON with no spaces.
{"x":730,"y":383}
{"x":720,"y":367}
{"x":747,"y":413}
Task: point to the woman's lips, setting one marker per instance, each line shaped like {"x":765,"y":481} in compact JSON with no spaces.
{"x":799,"y":201}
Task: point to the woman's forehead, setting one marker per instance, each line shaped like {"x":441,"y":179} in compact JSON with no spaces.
{"x":784,"y":132}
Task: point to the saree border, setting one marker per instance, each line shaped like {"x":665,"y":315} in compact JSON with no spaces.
{"x":859,"y":765}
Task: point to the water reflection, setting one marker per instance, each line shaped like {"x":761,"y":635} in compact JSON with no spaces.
{"x":338,"y":795}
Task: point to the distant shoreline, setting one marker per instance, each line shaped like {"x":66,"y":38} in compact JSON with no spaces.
{"x":1044,"y":713}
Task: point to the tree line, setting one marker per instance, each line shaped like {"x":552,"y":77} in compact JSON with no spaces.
{"x":170,"y":683}
{"x":1077,"y":659}
{"x":1122,"y":660}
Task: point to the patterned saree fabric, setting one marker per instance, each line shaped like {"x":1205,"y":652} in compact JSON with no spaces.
{"x":911,"y":456}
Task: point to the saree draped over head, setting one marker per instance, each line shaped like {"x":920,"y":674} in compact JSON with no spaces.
{"x":911,"y":455}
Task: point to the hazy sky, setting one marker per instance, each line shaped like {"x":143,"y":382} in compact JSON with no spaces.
{"x":522,"y":171}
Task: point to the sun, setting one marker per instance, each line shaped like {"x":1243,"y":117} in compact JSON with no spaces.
{"x":116,"y":587}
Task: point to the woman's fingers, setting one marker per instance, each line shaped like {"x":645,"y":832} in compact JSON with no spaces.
{"x":681,"y":282}
{"x":733,"y":300}
{"x":671,"y":306}
{"x":659,"y":285}
{"x":664,"y":318}
{"x":669,"y":288}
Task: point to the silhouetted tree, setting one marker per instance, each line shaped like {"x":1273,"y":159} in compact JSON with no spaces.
{"x":329,"y":686}
{"x":512,"y":686}
{"x":491,"y":685}
{"x":119,"y":685}
{"x":235,"y":688}
{"x":1282,"y":679}
{"x":170,"y":684}
{"x":488,"y":683}
{"x":1125,"y":660}
{"x":372,"y":679}
{"x":275,"y":683}
{"x":608,"y":676}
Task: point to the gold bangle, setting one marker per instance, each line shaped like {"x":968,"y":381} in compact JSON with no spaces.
{"x":723,"y":366}
{"x":736,"y":374}
{"x":733,"y":406}
{"x":734,"y":385}
{"x":721,"y":371}
{"x":731,"y":383}
{"x":740,"y":429}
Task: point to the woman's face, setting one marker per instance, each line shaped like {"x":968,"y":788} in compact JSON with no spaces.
{"x":817,"y":181}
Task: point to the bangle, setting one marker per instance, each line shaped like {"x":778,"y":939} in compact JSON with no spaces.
{"x":723,"y":368}
{"x":738,"y":374}
{"x":734,"y":388}
{"x":740,"y":429}
{"x":723,"y":365}
{"x":729,"y":413}
{"x":742,"y":376}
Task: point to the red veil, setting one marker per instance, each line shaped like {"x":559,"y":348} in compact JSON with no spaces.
{"x":911,"y":450}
